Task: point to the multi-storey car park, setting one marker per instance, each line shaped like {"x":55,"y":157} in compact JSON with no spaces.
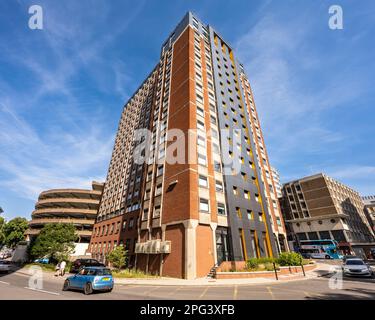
{"x":205,"y":193}
{"x":76,"y":206}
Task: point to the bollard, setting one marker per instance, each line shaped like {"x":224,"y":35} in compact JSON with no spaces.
{"x":303,"y":269}
{"x":274,"y":268}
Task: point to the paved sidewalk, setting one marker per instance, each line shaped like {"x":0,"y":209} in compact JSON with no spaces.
{"x":321,"y":269}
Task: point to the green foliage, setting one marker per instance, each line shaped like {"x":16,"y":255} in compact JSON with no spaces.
{"x":268,"y":266}
{"x":260,"y":263}
{"x":14,"y":230}
{"x":2,"y":235}
{"x":117,"y":257}
{"x":55,"y":240}
{"x":131,"y":273}
{"x":290,"y":259}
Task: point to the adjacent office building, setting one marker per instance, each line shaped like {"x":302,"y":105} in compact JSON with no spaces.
{"x":195,"y":188}
{"x":318,"y":207}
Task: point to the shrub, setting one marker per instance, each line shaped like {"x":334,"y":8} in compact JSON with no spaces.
{"x":252,"y":263}
{"x":117,"y":257}
{"x":269,"y":266}
{"x":289,"y":259}
{"x":260,"y":263}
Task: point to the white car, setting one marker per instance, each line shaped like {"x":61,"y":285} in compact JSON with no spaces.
{"x":6,"y":266}
{"x":356,"y":267}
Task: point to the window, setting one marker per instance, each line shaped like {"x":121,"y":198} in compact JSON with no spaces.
{"x":200,"y":125}
{"x":217,"y":166}
{"x":213,"y":119}
{"x":124,"y":225}
{"x":159,"y":189}
{"x":219,"y":186}
{"x":278,"y":221}
{"x":235,"y":191}
{"x":201,"y":141}
{"x":161,"y":153}
{"x":160,"y":170}
{"x":243,"y":174}
{"x":221,"y":209}
{"x":203,"y":205}
{"x":199,"y":99}
{"x":202,"y":160}
{"x":246,"y":194}
{"x":200,"y":112}
{"x":216,"y":148}
{"x":203,"y":182}
{"x":250,"y":215}
{"x":260,"y":216}
{"x":238,"y":211}
{"x":157,"y":211}
{"x":145,"y":214}
{"x":131,"y":223}
{"x":214,"y":133}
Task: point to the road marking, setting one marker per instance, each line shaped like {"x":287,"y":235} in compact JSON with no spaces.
{"x":44,"y":291}
{"x":271,"y":293}
{"x":203,"y":293}
{"x":235,"y":292}
{"x":147,"y":293}
{"x":3,"y":282}
{"x":175,"y":291}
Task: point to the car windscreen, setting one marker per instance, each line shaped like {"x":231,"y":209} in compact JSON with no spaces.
{"x":354,"y":263}
{"x":103,"y":272}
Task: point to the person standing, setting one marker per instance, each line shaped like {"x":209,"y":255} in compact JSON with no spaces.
{"x":57,"y":270}
{"x":62,"y":268}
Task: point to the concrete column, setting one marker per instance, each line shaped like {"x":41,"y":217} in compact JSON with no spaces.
{"x":213,"y":226}
{"x":163,"y":228}
{"x":190,"y":249}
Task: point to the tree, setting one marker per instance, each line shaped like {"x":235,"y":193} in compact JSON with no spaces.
{"x":55,"y":240}
{"x":14,"y":231}
{"x":117,"y":257}
{"x":2,"y":235}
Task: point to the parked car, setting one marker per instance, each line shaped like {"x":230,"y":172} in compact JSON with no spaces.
{"x":7,"y":266}
{"x":90,"y":279}
{"x":42,"y":260}
{"x":5,"y":254}
{"x":79,"y":263}
{"x":356,"y":267}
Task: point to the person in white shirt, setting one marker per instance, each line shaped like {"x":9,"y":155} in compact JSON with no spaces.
{"x":62,"y":268}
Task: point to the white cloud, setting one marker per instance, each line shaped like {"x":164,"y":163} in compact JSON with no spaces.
{"x":294,"y":91}
{"x":32,"y":163}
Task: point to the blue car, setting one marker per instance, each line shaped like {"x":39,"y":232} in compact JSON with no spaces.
{"x":90,"y":279}
{"x":42,"y":260}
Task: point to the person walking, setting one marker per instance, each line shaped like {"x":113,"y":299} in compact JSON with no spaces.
{"x":57,"y":269}
{"x":62,"y":268}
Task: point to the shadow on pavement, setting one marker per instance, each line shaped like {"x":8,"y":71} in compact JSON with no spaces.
{"x":346,"y":294}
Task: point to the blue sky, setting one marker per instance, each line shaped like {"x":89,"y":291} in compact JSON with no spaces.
{"x":62,"y":88}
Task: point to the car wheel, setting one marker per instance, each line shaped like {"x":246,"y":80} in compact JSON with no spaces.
{"x":110,"y":290}
{"x":66,"y":285}
{"x":88,"y":288}
{"x":328,"y":257}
